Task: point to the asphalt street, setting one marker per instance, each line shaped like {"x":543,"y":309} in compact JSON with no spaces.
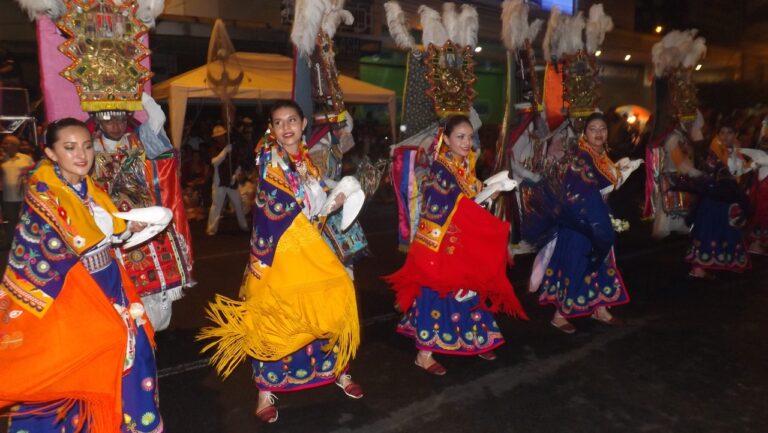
{"x":692,"y":357}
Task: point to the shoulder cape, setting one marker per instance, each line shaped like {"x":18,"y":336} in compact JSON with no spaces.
{"x":60,"y":337}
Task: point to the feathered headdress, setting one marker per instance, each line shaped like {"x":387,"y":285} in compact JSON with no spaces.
{"x":515,"y":29}
{"x":564,"y":44}
{"x":674,"y":58}
{"x":314,"y":26}
{"x":147,"y":10}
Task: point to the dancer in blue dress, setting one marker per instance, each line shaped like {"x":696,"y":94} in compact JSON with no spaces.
{"x":581,"y":277}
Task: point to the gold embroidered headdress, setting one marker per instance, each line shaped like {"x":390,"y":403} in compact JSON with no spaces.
{"x":674,"y":58}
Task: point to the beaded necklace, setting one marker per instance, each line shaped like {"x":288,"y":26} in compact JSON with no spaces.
{"x":81,"y":189}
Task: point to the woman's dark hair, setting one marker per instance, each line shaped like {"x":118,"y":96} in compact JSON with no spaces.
{"x":52,"y":132}
{"x":454,"y":121}
{"x":728,"y":122}
{"x":285,"y":103}
{"x":592,"y":117}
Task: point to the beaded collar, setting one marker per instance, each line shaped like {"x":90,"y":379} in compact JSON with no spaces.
{"x":81,"y":189}
{"x":602,"y":162}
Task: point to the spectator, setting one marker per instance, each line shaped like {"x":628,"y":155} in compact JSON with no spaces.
{"x":225,"y":172}
{"x":14,"y":167}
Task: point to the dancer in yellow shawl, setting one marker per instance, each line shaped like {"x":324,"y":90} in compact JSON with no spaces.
{"x":299,"y":323}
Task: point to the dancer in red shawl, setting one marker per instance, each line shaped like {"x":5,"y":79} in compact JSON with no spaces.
{"x":454,"y":277}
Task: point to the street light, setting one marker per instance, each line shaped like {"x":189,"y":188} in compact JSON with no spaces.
{"x":478,"y":49}
{"x":597,"y":53}
{"x":659,"y":29}
{"x":698,"y":67}
{"x":627,"y":57}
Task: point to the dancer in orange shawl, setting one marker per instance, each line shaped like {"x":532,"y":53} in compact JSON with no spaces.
{"x":455,"y":275}
{"x":76,"y":348}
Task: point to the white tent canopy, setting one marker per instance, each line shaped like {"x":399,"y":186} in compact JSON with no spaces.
{"x":267,"y":77}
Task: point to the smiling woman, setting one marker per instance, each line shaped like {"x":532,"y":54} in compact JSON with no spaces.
{"x":67,"y":303}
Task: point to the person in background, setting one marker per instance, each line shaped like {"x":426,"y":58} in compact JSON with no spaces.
{"x":14,"y":168}
{"x":225,"y":172}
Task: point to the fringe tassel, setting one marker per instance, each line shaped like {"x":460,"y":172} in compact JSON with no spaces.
{"x":268,"y":332}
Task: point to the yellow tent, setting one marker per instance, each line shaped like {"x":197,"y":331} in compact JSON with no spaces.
{"x":267,"y":76}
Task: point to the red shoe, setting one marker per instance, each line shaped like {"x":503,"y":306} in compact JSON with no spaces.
{"x":435,"y":368}
{"x":488,"y":356}
{"x":268,"y":414}
{"x":352,"y":390}
{"x":565,"y":327}
{"x":613,"y":321}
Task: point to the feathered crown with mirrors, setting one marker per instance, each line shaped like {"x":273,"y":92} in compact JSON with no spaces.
{"x":103,"y":43}
{"x":564,"y":44}
{"x":518,"y":34}
{"x":450,"y":41}
{"x":314,"y":27}
{"x":674,"y":60}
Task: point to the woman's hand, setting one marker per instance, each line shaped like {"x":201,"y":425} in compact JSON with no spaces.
{"x":135,"y":226}
{"x":338,"y":201}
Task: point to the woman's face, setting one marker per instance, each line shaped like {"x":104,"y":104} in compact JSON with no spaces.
{"x":596,"y":132}
{"x":288,"y":126}
{"x":73,"y":151}
{"x":727,"y":136}
{"x":460,"y":140}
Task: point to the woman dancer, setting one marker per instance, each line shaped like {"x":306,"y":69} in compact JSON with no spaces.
{"x":581,"y":278}
{"x":298,"y":318}
{"x":454,"y":277}
{"x":77,"y":347}
{"x":719,"y":217}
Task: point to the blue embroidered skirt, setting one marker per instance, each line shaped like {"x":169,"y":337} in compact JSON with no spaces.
{"x":308,"y":367}
{"x":445,"y":325}
{"x":571,"y":287}
{"x":717,"y":239}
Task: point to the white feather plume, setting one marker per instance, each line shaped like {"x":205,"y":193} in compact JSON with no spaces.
{"x":598,"y":25}
{"x":552,"y":33}
{"x":533,"y":29}
{"x":571,"y":37}
{"x":398,"y":26}
{"x":433,"y":31}
{"x":469,"y":23}
{"x":306,"y":23}
{"x":335,"y":16}
{"x":52,"y":8}
{"x":511,"y":29}
{"x":148,"y":10}
{"x":677,"y":48}
{"x":451,"y":21}
{"x":697,"y":51}
{"x":514,"y":24}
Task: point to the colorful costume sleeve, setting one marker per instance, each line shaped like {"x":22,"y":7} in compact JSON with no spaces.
{"x":295,"y":289}
{"x":60,"y":338}
{"x":458,"y":245}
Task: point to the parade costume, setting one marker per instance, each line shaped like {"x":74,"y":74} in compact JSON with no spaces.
{"x":298,"y":317}
{"x":570,"y":93}
{"x":317,"y":90}
{"x":75,"y":344}
{"x":454,"y":277}
{"x":581,"y":273}
{"x":718,"y":220}
{"x":139,"y":168}
{"x":439,"y":82}
{"x":669,"y":155}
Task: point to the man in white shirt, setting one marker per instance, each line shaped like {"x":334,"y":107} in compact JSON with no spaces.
{"x":225,"y":170}
{"x":14,"y":166}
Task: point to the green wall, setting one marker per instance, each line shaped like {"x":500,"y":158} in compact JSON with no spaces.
{"x":388,"y":71}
